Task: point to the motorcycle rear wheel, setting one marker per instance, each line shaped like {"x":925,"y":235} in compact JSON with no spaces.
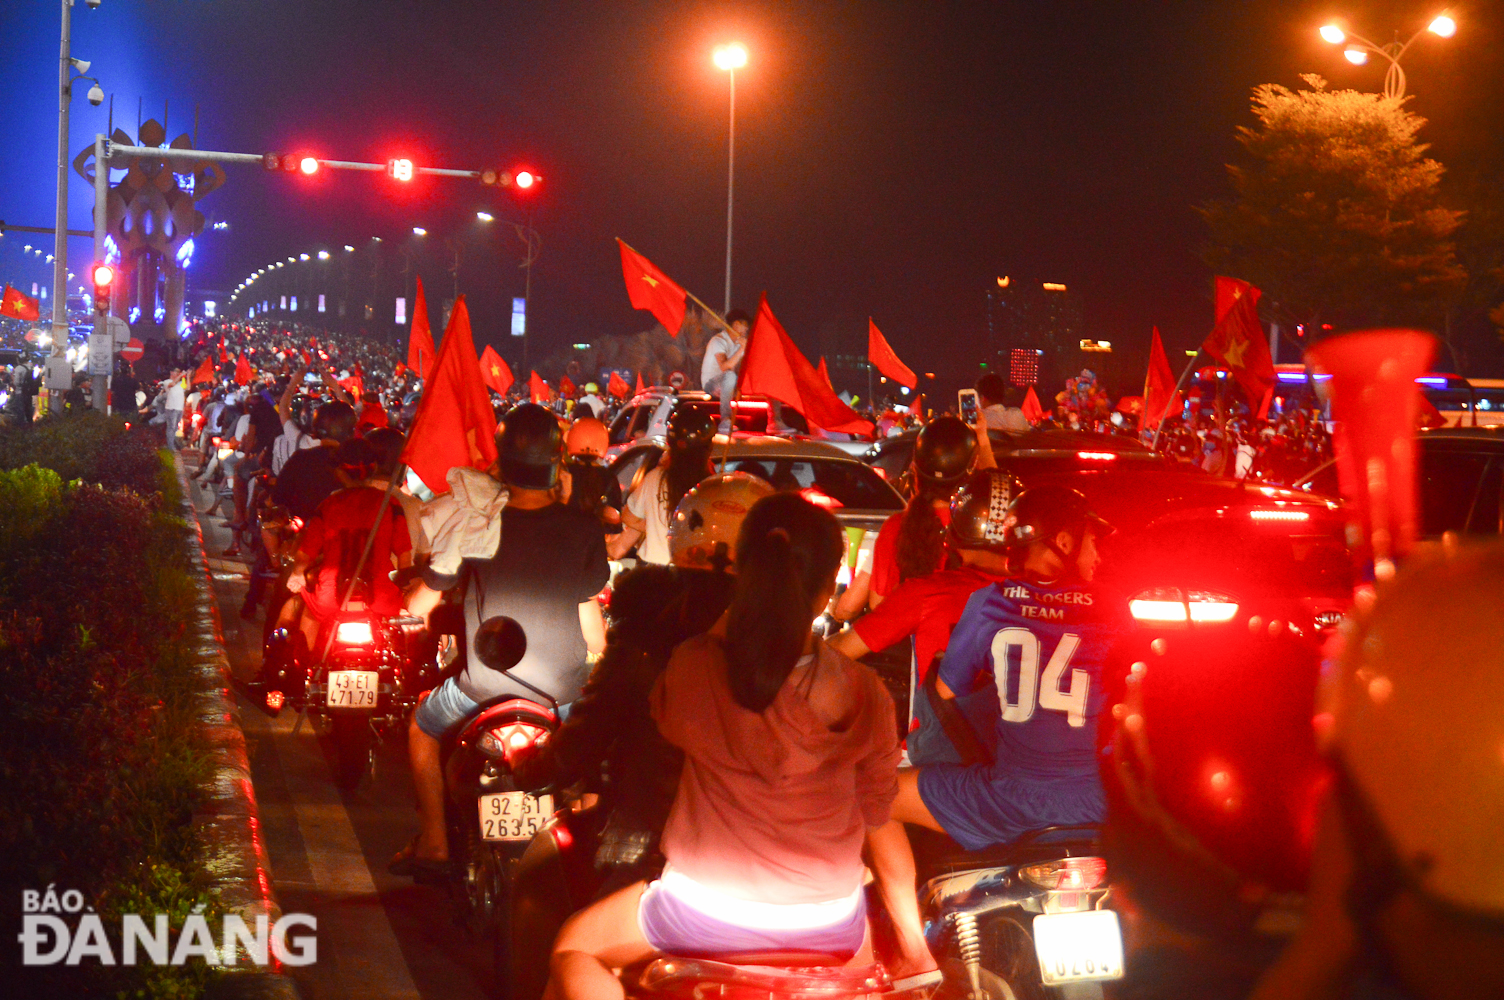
{"x":353,"y":743}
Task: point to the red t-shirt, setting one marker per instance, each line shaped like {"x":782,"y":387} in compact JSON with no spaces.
{"x":885,"y":553}
{"x":338,"y":532}
{"x":926,"y":607}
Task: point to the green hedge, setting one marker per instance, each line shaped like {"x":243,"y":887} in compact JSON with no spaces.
{"x":100,"y":764}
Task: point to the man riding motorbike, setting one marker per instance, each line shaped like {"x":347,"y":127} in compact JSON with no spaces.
{"x":546,"y":573}
{"x":1043,"y":637}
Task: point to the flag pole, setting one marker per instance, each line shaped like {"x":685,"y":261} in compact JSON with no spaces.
{"x":1154,"y":446}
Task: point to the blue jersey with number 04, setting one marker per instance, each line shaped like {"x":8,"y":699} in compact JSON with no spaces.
{"x":1044,"y":646}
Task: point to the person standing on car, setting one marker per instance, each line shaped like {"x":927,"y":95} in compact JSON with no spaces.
{"x":1001,"y":405}
{"x":546,"y":573}
{"x":686,"y":461}
{"x":723,"y":360}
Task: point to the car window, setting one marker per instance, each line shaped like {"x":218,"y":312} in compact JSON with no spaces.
{"x":633,"y":465}
{"x":748,"y":419}
{"x":621,"y":426}
{"x":640,"y":421}
{"x":1237,"y":553}
{"x":831,"y":483}
{"x":1449,"y":482}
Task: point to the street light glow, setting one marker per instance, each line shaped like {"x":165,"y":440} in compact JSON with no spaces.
{"x":1443,"y":26}
{"x":302,"y":256}
{"x":485,"y":216}
{"x":728,"y":57}
{"x":349,"y":248}
{"x":419,"y":231}
{"x":1333,"y":34}
{"x":1356,"y":56}
{"x":323,"y":255}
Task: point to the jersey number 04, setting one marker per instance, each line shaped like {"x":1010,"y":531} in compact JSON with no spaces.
{"x":1033,"y":689}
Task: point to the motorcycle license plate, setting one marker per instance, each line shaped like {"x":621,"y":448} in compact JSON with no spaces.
{"x":513,"y":815}
{"x":1078,"y":947}
{"x":353,"y":688}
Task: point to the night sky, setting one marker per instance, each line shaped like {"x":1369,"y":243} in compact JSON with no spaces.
{"x":892,"y":158}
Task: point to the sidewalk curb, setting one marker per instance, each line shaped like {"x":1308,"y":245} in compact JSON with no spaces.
{"x":228,"y":822}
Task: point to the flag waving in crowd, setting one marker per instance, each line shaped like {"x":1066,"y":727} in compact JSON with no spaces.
{"x":1237,"y":339}
{"x":775,"y":368}
{"x":495,"y":372}
{"x":617,"y":386}
{"x":420,"y":349}
{"x":18,"y":305}
{"x":884,"y":359}
{"x":1160,"y":395}
{"x":454,"y":425}
{"x":651,"y":289}
{"x":244,"y":374}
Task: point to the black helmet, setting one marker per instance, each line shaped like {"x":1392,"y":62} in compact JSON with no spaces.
{"x":689,"y":427}
{"x":529,"y":447}
{"x":979,"y":510}
{"x":335,"y":422}
{"x":1044,"y":511}
{"x":943,"y":451}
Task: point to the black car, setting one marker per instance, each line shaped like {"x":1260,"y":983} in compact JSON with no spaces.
{"x":1459,"y":472}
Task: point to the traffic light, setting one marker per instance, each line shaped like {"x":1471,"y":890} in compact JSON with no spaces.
{"x":400,"y":169}
{"x":103,"y":276}
{"x":520,"y":180}
{"x":290,"y":163}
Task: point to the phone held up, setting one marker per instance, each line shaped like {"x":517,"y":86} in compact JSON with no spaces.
{"x":969,"y":406}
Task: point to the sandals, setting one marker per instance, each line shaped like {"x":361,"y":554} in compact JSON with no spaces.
{"x":406,"y":864}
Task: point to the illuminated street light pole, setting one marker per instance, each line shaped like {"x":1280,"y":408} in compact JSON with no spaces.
{"x":1358,"y":49}
{"x":730,"y":58}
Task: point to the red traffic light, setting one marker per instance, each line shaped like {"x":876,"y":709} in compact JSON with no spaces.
{"x":526,"y":179}
{"x":103,"y":274}
{"x":400,"y":169}
{"x":521,"y":180}
{"x":308,"y":165}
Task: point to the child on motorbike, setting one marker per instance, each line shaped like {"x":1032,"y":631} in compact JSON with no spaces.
{"x":790,"y":763}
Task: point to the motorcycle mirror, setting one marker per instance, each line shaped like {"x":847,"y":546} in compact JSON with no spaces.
{"x":500,"y":643}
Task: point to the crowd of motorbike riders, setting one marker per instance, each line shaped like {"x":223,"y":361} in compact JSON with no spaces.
{"x":757,"y":778}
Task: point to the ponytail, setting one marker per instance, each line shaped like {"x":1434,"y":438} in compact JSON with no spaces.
{"x":920,"y":549}
{"x":787,"y":552}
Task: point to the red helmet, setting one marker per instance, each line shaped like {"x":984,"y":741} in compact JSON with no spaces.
{"x":587,"y":436}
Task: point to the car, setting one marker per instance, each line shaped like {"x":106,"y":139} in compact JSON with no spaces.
{"x":1459,"y":474}
{"x":644,"y":418}
{"x":1034,"y":452}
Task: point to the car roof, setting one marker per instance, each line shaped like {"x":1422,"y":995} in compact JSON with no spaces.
{"x":1481,"y":434}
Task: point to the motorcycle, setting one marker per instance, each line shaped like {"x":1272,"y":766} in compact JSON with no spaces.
{"x":1023,"y":921}
{"x":490,"y":819}
{"x":364,"y":685}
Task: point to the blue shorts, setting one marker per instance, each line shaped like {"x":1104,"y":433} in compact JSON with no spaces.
{"x":444,"y":710}
{"x":980,"y":809}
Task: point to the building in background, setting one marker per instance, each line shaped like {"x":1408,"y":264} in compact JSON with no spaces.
{"x":1039,"y":317}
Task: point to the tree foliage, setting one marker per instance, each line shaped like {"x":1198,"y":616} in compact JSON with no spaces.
{"x":1338,"y":218}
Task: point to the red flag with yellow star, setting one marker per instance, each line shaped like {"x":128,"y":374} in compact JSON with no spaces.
{"x":617,"y":386}
{"x":495,"y":372}
{"x":651,"y":289}
{"x":538,"y":390}
{"x":455,"y":425}
{"x":18,"y":305}
{"x":1237,"y":340}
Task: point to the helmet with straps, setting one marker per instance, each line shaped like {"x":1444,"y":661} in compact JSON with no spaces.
{"x":587,"y":436}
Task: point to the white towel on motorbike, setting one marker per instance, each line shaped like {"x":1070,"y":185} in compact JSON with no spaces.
{"x":464,"y":523}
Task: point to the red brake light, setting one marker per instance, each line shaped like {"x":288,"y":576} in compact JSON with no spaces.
{"x":1280,"y":515}
{"x":1097,"y":456}
{"x":1172,"y":606}
{"x":1067,"y":874}
{"x":354,"y":633}
{"x":505,"y":740}
{"x":820,"y":498}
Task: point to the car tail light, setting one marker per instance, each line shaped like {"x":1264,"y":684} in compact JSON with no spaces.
{"x":354,"y":633}
{"x":1280,"y":515}
{"x":1173,"y":606}
{"x":505,"y":740}
{"x":1097,"y":456}
{"x":275,"y":700}
{"x":296,"y":523}
{"x":1067,"y":874}
{"x":820,"y":498}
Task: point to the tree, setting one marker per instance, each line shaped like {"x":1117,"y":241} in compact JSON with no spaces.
{"x":1338,"y":219}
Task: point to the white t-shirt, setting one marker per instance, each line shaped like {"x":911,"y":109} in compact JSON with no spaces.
{"x":710,"y":368}
{"x":172,"y":398}
{"x":653,"y":509}
{"x":1007,"y":418}
{"x":290,"y":440}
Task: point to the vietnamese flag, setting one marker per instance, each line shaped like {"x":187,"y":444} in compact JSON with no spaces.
{"x":18,"y":305}
{"x":1160,"y":395}
{"x":224,"y":356}
{"x":825,"y":372}
{"x":455,"y":425}
{"x":617,"y":386}
{"x":651,"y":289}
{"x":774,"y":367}
{"x":640,"y":389}
{"x":1237,"y":340}
{"x":205,"y":372}
{"x":420,"y":349}
{"x":1033,"y":412}
{"x":883,"y":358}
{"x":244,"y":374}
{"x":495,"y":372}
{"x":538,"y":390}
{"x":566,"y":388}
{"x":398,"y":369}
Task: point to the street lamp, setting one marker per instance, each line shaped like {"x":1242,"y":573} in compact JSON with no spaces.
{"x":730,"y":58}
{"x":419,"y":231}
{"x":1359,"y":48}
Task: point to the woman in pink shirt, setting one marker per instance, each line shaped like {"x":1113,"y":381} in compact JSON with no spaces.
{"x":789,"y":771}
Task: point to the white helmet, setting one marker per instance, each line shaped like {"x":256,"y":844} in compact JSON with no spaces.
{"x":1419,"y":724}
{"x":702,"y":532}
